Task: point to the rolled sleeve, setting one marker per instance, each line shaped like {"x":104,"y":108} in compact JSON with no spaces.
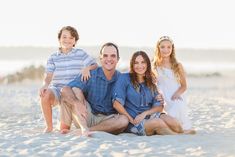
{"x":88,"y":60}
{"x":78,"y":83}
{"x":120,"y":90}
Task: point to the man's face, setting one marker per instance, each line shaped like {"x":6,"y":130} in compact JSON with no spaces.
{"x":109,"y":58}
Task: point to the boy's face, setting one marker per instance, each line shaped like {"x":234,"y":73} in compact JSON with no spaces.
{"x":67,"y":41}
{"x":109,"y":58}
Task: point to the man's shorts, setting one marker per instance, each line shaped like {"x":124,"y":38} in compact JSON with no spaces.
{"x":68,"y":116}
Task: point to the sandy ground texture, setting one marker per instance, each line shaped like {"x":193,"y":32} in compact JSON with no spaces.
{"x":212,"y":103}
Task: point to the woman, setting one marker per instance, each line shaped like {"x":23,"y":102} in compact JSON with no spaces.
{"x":134,"y":97}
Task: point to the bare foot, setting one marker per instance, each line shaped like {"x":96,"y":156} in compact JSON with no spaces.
{"x":48,"y":130}
{"x":85,"y":133}
{"x":64,"y":131}
{"x":191,"y":131}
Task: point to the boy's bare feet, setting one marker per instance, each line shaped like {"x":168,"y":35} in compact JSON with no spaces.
{"x":48,"y":130}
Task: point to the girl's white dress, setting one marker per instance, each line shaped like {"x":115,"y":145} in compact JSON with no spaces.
{"x":168,"y":85}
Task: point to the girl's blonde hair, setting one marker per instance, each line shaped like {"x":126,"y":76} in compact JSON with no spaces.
{"x":158,"y":58}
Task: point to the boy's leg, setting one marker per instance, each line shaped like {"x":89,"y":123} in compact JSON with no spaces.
{"x":47,"y":102}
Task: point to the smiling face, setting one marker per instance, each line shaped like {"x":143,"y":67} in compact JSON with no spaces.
{"x":140,"y":66}
{"x":109,"y":58}
{"x":165,"y":48}
{"x":66,"y":40}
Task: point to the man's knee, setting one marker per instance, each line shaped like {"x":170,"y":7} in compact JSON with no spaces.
{"x":65,"y":90}
{"x":123,"y":121}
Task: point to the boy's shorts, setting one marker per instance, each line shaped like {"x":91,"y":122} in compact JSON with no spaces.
{"x":57,"y":94}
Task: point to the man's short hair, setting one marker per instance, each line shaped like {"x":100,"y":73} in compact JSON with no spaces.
{"x":110,"y":44}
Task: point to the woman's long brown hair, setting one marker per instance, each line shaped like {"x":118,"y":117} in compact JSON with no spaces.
{"x":149,"y":77}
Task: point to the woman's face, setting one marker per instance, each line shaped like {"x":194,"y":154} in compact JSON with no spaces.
{"x":165,"y":48}
{"x":140,"y":66}
{"x":67,"y":41}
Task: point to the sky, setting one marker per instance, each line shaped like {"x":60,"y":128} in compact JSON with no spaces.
{"x":134,"y":23}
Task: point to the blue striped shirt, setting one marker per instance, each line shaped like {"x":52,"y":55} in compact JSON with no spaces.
{"x":98,"y":91}
{"x":65,"y":67}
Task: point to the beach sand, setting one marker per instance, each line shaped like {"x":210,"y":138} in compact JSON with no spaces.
{"x":212,"y":103}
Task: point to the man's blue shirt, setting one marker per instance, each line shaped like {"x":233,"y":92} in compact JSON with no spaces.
{"x":98,"y":91}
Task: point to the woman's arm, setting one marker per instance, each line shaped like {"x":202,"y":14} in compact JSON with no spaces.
{"x":141,"y":116}
{"x":118,"y":106}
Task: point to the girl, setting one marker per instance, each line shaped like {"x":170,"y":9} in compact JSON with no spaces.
{"x":134,"y":97}
{"x":172,"y":82}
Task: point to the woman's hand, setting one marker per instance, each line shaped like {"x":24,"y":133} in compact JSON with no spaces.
{"x":139,"y":118}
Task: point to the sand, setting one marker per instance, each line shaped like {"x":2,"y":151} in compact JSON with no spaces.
{"x":212,"y":103}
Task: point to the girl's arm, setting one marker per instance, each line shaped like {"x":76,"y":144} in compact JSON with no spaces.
{"x":118,"y":106}
{"x":183,"y":84}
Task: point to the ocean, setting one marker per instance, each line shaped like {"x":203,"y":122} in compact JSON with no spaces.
{"x":195,"y":61}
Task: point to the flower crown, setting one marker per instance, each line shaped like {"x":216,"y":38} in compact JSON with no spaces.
{"x":165,"y":38}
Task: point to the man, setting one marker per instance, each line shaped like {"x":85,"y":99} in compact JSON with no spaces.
{"x":91,"y":107}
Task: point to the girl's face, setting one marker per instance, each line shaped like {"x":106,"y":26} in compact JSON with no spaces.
{"x":140,"y":66}
{"x":165,"y":48}
{"x":67,"y":41}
